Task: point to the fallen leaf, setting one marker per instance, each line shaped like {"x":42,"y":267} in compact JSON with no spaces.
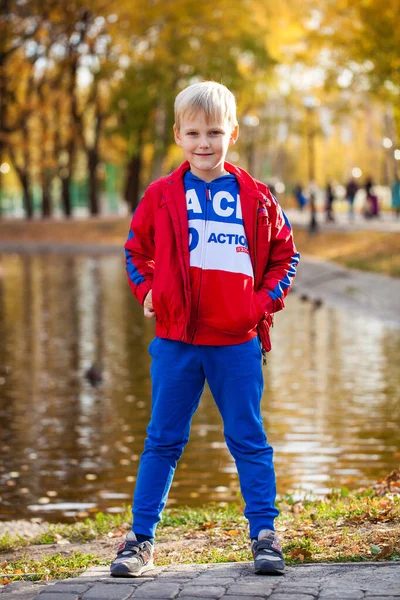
{"x":300,"y":553}
{"x":232,"y":532}
{"x":210,"y":525}
{"x":385,"y":552}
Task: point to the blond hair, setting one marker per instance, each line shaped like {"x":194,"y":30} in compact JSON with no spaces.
{"x":217,"y":102}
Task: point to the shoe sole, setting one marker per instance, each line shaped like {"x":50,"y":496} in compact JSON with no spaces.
{"x":269,"y":570}
{"x":122,"y":570}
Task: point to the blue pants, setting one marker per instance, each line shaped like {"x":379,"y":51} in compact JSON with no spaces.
{"x":234,"y":375}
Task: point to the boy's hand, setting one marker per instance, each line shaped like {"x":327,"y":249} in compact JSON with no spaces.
{"x":148,"y":306}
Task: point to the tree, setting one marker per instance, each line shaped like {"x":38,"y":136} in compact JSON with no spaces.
{"x":95,"y":105}
{"x":360,"y":44}
{"x":173,"y":45}
{"x":18,"y":25}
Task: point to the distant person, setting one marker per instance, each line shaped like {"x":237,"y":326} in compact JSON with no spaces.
{"x":210,"y":256}
{"x":329,"y":200}
{"x":300,"y":197}
{"x":351,"y":191}
{"x":371,"y":208}
{"x":396,"y":196}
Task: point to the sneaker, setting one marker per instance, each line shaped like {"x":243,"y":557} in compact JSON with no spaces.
{"x":267,"y":553}
{"x":133,"y":558}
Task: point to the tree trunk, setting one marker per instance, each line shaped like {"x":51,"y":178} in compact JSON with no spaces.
{"x":46,"y":197}
{"x":45,"y":175}
{"x":70,"y":147}
{"x":132,"y":183}
{"x":24,"y":179}
{"x":66,"y":181}
{"x":22,"y":167}
{"x":93,"y":161}
{"x":66,"y":195}
{"x":27,"y":195}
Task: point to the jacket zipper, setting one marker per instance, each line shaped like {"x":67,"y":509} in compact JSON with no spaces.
{"x":203,"y":254}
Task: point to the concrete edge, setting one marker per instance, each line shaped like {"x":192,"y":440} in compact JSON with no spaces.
{"x":208,"y":566}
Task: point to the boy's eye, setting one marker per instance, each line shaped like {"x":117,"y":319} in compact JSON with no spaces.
{"x":213,"y":133}
{"x":216,"y":133}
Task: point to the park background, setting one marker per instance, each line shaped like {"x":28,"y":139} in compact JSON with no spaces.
{"x":87,"y":91}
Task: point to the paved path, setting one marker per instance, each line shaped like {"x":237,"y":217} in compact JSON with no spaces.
{"x":233,"y":581}
{"x":371,"y":294}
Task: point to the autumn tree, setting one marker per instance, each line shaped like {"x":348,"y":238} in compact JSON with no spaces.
{"x":18,"y":25}
{"x":363,"y":41}
{"x":173,"y":45}
{"x":358,"y":44}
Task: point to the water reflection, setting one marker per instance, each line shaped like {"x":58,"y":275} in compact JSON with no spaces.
{"x":330,"y":405}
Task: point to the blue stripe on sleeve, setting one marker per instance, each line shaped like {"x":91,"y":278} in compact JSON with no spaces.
{"x":287,"y":280}
{"x":287,"y":223}
{"x":131,"y":268}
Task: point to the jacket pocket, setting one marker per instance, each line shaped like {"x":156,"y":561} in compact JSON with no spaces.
{"x":235,"y":318}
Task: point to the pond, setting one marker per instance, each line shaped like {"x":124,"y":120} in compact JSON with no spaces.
{"x":331,"y":401}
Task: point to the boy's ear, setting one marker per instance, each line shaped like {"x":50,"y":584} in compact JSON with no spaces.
{"x":177,"y":136}
{"x":234,"y":135}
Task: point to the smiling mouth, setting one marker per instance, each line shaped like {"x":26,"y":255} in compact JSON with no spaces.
{"x":209,"y":154}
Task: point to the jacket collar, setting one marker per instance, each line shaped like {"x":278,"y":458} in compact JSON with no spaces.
{"x":245,"y":180}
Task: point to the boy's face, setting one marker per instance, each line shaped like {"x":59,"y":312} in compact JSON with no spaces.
{"x":205,"y":144}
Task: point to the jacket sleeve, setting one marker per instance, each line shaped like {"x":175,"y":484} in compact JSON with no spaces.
{"x":140,"y":249}
{"x":282,"y":263}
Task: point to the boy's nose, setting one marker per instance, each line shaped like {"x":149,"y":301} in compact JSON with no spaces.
{"x":204,"y":143}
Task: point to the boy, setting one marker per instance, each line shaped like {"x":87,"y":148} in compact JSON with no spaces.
{"x":210,"y":255}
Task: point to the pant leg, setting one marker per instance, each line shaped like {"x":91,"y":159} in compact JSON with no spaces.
{"x":234,"y":374}
{"x":177,"y":385}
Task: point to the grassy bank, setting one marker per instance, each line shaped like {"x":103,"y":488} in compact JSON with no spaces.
{"x":366,"y":250}
{"x":374,"y":251}
{"x":345,"y":526}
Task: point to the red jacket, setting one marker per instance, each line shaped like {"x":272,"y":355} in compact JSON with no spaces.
{"x":157,"y":252}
